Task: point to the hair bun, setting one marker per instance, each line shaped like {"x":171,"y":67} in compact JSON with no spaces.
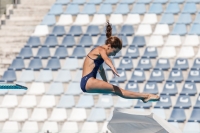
{"x":108,"y":30}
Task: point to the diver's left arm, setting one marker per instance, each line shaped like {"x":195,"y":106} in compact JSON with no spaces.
{"x":102,"y":73}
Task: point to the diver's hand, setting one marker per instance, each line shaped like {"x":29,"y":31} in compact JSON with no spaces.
{"x":115,"y":71}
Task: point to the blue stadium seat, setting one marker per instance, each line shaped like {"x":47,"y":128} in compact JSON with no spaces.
{"x":122,"y":9}
{"x":194,"y":29}
{"x":197,"y":104}
{"x":124,"y":40}
{"x":132,"y":52}
{"x":172,"y":8}
{"x":105,"y":9}
{"x":26,"y":53}
{"x":33,"y":41}
{"x":175,"y":76}
{"x":160,"y":1}
{"x":56,"y":88}
{"x":71,"y":64}
{"x":101,"y":40}
{"x":106,"y":67}
{"x":193,"y":1}
{"x":63,"y":76}
{"x":114,"y":30}
{"x":58,"y":30}
{"x":17,"y":64}
{"x":93,"y":30}
{"x":35,"y":64}
{"x":61,"y":52}
{"x":79,"y":52}
{"x":127,"y":1}
{"x":97,"y":115}
{"x":165,"y":102}
{"x":179,"y":29}
{"x":196,"y":64}
{"x":169,"y":88}
{"x":51,"y":41}
{"x":151,"y":87}
{"x":191,"y":127}
{"x":132,"y":86}
{"x":183,"y":102}
{"x":197,"y":19}
{"x":162,"y":64}
{"x":62,"y":2}
{"x":150,"y":52}
{"x":56,"y":10}
{"x":144,"y":1}
{"x":68,"y":41}
{"x":85,"y":41}
{"x":43,"y":52}
{"x":144,"y":64}
{"x":53,"y":64}
{"x":138,"y":41}
{"x":138,"y":76}
{"x":45,"y":76}
{"x":89,"y":9}
{"x":195,"y":117}
{"x":181,"y":64}
{"x":177,"y":115}
{"x":82,"y":104}
{"x":157,"y":76}
{"x":9,"y":76}
{"x":184,"y":18}
{"x":78,"y":2}
{"x":122,"y":77}
{"x":104,"y":101}
{"x":193,"y":76}
{"x":177,"y":1}
{"x":167,"y":19}
{"x":189,"y":8}
{"x":73,"y":89}
{"x":49,"y":20}
{"x":139,"y":9}
{"x":111,"y":1}
{"x":94,"y":1}
{"x":118,"y":55}
{"x":141,"y":104}
{"x":72,"y":9}
{"x":123,"y":103}
{"x":75,"y":30}
{"x":126,"y":64}
{"x":156,"y":8}
{"x":63,"y":104}
{"x":27,"y":76}
{"x":127,"y":30}
{"x":189,"y":88}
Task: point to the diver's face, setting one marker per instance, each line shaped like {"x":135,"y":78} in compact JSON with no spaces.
{"x":112,"y":51}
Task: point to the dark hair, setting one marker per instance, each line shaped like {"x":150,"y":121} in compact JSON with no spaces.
{"x":115,"y":42}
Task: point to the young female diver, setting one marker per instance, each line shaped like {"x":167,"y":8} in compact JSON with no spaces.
{"x":93,"y":63}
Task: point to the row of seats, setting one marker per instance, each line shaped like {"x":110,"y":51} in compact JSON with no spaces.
{"x":72,"y":127}
{"x":131,"y":52}
{"x":127,"y":30}
{"x":122,"y":8}
{"x":64,"y":2}
{"x":104,"y":101}
{"x":117,"y":19}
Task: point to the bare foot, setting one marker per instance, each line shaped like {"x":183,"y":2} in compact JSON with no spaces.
{"x":151,"y":97}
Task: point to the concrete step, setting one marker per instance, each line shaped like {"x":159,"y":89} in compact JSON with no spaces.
{"x":7,"y":39}
{"x":21,"y":23}
{"x":37,"y":2}
{"x":15,"y":34}
{"x":25,"y":18}
{"x":20,"y":6}
{"x":18,"y":28}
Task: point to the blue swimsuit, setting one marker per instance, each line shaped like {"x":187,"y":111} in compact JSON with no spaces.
{"x":84,"y":79}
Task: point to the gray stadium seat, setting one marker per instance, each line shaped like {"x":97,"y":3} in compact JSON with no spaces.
{"x":93,"y":30}
{"x":82,"y":101}
{"x":124,"y":40}
{"x":132,"y":86}
{"x":156,"y":8}
{"x":126,"y":64}
{"x":189,"y":8}
{"x":141,"y":104}
{"x":150,"y":52}
{"x":157,"y":76}
{"x":194,"y":117}
{"x":58,"y":30}
{"x":122,"y":9}
{"x":189,"y":88}
{"x":175,"y":76}
{"x":105,"y":9}
{"x":73,"y":89}
{"x":66,"y":101}
{"x":27,"y":76}
{"x":169,"y":88}
{"x":45,"y":76}
{"x":105,"y":101}
{"x":101,"y":40}
{"x":196,"y":64}
{"x":132,"y":52}
{"x":179,"y":29}
{"x":167,"y":18}
{"x":162,"y":64}
{"x":17,"y":64}
{"x":51,"y":41}
{"x":181,"y":64}
{"x":138,"y":76}
{"x":79,"y":52}
{"x":63,"y":76}
{"x":151,"y":87}
{"x":194,"y":29}
{"x":33,"y":41}
{"x":61,"y":52}
{"x":123,"y":103}
{"x":122,"y":77}
{"x":184,"y":18}
{"x":35,"y":64}
{"x":68,"y":41}
{"x":197,"y":104}
{"x":97,"y":115}
{"x":177,"y":115}
{"x":89,"y":9}
{"x":43,"y":52}
{"x":26,"y":53}
{"x":183,"y":102}
{"x":72,"y":9}
{"x":127,"y":30}
{"x":71,"y":64}
{"x":56,"y":10}
{"x":138,"y":9}
{"x":165,"y":102}
{"x":75,"y":30}
{"x":85,"y":41}
{"x":193,"y":76}
{"x":172,"y":8}
{"x":49,"y":20}
{"x":53,"y":64}
{"x":144,"y":64}
{"x":138,"y":41}
{"x":56,"y":88}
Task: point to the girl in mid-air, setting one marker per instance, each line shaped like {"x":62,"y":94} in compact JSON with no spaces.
{"x":93,"y":63}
